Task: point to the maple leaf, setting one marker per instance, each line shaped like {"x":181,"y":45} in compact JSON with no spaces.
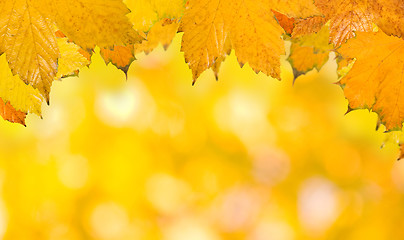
{"x":91,"y":22}
{"x":377,"y":76}
{"x":29,"y":42}
{"x":346,"y":17}
{"x":253,"y":32}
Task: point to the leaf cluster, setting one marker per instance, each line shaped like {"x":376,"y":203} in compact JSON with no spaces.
{"x":43,"y":40}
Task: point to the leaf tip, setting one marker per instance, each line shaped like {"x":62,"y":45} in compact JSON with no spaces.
{"x":349,"y":109}
{"x":296,"y":74}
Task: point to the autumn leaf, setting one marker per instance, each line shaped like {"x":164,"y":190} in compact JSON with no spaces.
{"x":156,"y":20}
{"x":28,"y":40}
{"x":346,"y":17}
{"x":9,"y":113}
{"x":162,"y":33}
{"x":92,"y":22}
{"x":309,"y":51}
{"x":12,"y":89}
{"x":296,"y":8}
{"x":71,"y":58}
{"x":304,"y":59}
{"x":120,"y":56}
{"x":254,"y":35}
{"x":285,"y":22}
{"x":308,"y":26}
{"x":390,"y":16}
{"x":376,"y":78}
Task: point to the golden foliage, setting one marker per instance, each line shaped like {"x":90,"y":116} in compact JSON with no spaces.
{"x":28,"y":40}
{"x":308,"y":26}
{"x":253,"y":32}
{"x":375,"y":80}
{"x":44,"y":40}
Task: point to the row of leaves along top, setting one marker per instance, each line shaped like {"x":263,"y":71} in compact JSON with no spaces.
{"x":45,"y":40}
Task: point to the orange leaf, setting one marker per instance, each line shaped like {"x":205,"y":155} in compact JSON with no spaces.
{"x":389,"y":16}
{"x":9,"y":113}
{"x":286,"y":22}
{"x":304,"y":59}
{"x":120,"y":56}
{"x":308,"y":26}
{"x":376,"y":80}
{"x":346,"y":18}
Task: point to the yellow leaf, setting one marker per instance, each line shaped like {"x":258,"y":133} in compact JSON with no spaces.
{"x":255,"y":38}
{"x":162,"y":32}
{"x":377,"y":77}
{"x":317,"y":40}
{"x":92,"y":22}
{"x":253,"y":31}
{"x":9,"y":113}
{"x":70,"y":59}
{"x":296,"y":8}
{"x":23,"y":97}
{"x":29,"y":42}
{"x":157,"y":18}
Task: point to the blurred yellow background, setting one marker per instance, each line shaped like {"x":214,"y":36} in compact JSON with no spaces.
{"x":151,"y":157}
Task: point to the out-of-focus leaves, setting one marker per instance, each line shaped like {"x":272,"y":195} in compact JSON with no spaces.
{"x":197,"y":173}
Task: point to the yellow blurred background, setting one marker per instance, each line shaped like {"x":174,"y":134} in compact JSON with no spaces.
{"x":152,"y":157}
